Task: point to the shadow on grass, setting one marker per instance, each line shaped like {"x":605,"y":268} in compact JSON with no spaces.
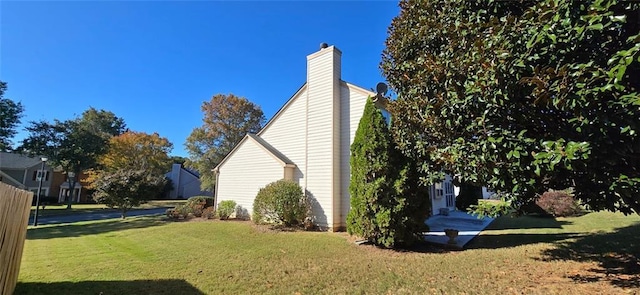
{"x":488,"y":241}
{"x":527,"y":222}
{"x":425,"y":247}
{"x":109,"y":287}
{"x":417,"y":247}
{"x":73,"y":211}
{"x":92,"y":228}
{"x":616,"y":253}
{"x":506,"y":240}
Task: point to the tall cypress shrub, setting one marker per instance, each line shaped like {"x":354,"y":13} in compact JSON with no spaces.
{"x":413,"y":205}
{"x":383,"y":187}
{"x":370,"y":188}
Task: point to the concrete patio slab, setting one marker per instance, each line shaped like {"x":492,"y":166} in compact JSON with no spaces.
{"x":469,"y":227}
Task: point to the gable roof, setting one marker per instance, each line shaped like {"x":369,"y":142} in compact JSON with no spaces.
{"x":358,"y":88}
{"x":7,"y":177}
{"x":190,"y":171}
{"x":17,"y":161}
{"x":265,"y":145}
{"x":300,"y":90}
{"x":271,"y":151}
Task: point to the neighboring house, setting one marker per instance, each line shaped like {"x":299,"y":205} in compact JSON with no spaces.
{"x":308,"y":141}
{"x":186,"y":183}
{"x":60,"y":187}
{"x":23,"y":172}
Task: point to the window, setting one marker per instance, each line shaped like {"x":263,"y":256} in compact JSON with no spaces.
{"x":439,"y":191}
{"x":40,"y":173}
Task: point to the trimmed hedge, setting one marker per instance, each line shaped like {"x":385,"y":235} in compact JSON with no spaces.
{"x":281,"y":202}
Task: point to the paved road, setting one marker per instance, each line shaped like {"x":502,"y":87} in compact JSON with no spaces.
{"x":43,"y":220}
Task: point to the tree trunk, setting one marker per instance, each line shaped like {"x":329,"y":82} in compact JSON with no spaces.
{"x":72,"y":186}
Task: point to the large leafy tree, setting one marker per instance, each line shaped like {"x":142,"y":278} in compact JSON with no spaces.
{"x":388,"y":207}
{"x":521,"y":96}
{"x":132,"y":155}
{"x":178,"y":159}
{"x":75,"y":144}
{"x":137,"y":151}
{"x":126,"y":188}
{"x":10,"y":114}
{"x":227,"y":119}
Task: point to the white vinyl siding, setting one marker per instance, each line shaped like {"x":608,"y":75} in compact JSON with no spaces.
{"x":242,"y":175}
{"x":313,"y":130}
{"x":322,"y":83}
{"x":287,"y":133}
{"x":353,"y":102}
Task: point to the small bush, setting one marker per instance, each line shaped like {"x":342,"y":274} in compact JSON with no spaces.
{"x":171,"y":213}
{"x":183,"y":211}
{"x":491,"y":208}
{"x":208,"y":213}
{"x":281,"y":202}
{"x":196,"y":206}
{"x":242,"y":213}
{"x":208,"y":201}
{"x":559,"y":203}
{"x":226,"y":208}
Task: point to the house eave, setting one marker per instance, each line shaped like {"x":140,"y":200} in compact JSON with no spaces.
{"x":284,"y":161}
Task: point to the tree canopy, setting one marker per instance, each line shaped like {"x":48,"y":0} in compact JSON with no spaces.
{"x":521,"y":96}
{"x":126,"y":188}
{"x":178,"y":159}
{"x":137,"y":151}
{"x":227,"y":119}
{"x":10,"y":114}
{"x":76,"y":144}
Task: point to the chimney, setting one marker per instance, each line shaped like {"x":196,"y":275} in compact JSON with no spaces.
{"x":324,"y":66}
{"x":322,"y":173}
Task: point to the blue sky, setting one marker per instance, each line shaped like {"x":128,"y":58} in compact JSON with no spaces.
{"x":153,"y":63}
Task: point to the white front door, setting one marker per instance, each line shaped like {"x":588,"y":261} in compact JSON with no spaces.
{"x":443,"y":195}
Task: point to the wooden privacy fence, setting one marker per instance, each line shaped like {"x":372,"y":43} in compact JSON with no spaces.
{"x":15,"y":207}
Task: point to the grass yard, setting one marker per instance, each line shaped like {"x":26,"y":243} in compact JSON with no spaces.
{"x":61,"y":209}
{"x":593,"y":254}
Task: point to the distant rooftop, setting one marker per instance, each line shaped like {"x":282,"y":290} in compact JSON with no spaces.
{"x":17,"y":161}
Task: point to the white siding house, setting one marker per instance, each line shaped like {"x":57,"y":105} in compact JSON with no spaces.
{"x":308,"y":141}
{"x":254,"y":164}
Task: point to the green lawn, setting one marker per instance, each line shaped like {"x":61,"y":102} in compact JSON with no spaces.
{"x":61,"y":209}
{"x":593,"y":254}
